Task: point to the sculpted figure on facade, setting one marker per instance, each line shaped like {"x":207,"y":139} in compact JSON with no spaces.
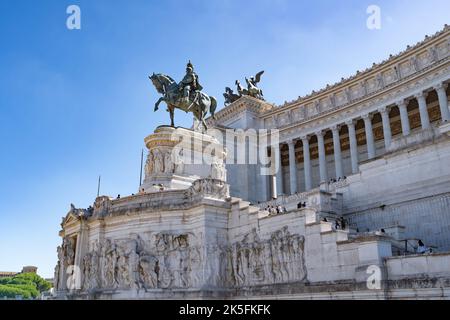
{"x":168,"y":164}
{"x":218,"y":170}
{"x":178,"y":161}
{"x":70,"y":252}
{"x":230,"y":96}
{"x":133,"y":261}
{"x":348,"y":94}
{"x":379,"y":80}
{"x":59,"y":269}
{"x":332,"y":98}
{"x":158,"y":161}
{"x":110,"y":265}
{"x":149,"y":164}
{"x":56,"y":284}
{"x":170,"y":261}
{"x":252,"y":87}
{"x":101,"y":206}
{"x":414,"y":63}
{"x":148,"y":271}
{"x":278,"y":259}
{"x":397,"y":72}
{"x":241,"y":91}
{"x":123,"y":269}
{"x":66,"y":258}
{"x":433,"y":54}
{"x":364,"y":87}
{"x":87,"y":271}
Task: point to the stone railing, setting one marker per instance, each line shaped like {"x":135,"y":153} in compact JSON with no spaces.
{"x":163,"y":200}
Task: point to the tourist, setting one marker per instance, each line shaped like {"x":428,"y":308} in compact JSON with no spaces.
{"x":118,"y":196}
{"x":422,"y":248}
{"x":337,"y":225}
{"x":342,"y":223}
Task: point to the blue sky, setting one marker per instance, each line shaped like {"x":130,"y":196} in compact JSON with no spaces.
{"x":77,"y":103}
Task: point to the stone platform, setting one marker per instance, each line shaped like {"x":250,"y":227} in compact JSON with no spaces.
{"x":196,"y":241}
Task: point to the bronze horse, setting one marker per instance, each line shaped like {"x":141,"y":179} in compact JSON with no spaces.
{"x":199,"y":105}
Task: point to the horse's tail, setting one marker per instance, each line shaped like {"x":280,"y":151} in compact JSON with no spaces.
{"x":213,"y":106}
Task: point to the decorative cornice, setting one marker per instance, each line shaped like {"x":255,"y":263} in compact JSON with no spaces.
{"x":243,"y":103}
{"x":401,"y":91}
{"x":376,"y":70}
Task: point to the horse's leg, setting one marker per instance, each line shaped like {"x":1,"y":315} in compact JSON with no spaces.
{"x":204,"y":113}
{"x":157,"y":103}
{"x":171,"y":111}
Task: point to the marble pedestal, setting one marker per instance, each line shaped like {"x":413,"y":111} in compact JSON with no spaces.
{"x":177,"y":157}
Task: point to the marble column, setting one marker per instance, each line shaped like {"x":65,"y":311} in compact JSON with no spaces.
{"x":443,"y":101}
{"x":384,"y":111}
{"x":404,"y":119}
{"x":292,"y":167}
{"x":262,"y":187}
{"x":353,"y":145}
{"x":274,"y":186}
{"x":273,"y":161}
{"x":424,"y":118}
{"x":307,"y":163}
{"x":322,"y":157}
{"x":279,"y":174}
{"x":369,"y":135}
{"x":337,"y":152}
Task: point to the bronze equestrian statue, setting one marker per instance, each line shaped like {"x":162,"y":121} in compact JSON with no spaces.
{"x":186,"y":95}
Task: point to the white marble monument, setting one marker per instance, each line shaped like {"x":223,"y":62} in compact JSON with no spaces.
{"x":364,"y":174}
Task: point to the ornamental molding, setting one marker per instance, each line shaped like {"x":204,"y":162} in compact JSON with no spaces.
{"x":244,"y":103}
{"x":432,"y":50}
{"x":404,"y":92}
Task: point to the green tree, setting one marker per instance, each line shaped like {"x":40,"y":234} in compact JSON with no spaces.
{"x":28,"y":285}
{"x":12,"y":292}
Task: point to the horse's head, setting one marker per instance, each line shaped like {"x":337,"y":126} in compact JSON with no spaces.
{"x":155,"y":79}
{"x":161,"y":81}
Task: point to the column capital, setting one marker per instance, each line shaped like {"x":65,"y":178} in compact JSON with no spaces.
{"x":319,"y":133}
{"x":440,"y":86}
{"x":335,"y":128}
{"x":400,"y":103}
{"x":291,"y":142}
{"x":367,"y":116}
{"x":350,"y":122}
{"x":305,"y":138}
{"x":384,"y":110}
{"x":420,"y":95}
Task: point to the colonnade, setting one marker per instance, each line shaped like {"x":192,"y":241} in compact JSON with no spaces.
{"x":350,"y":123}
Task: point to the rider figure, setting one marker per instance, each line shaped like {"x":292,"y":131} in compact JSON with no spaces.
{"x":190,"y":83}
